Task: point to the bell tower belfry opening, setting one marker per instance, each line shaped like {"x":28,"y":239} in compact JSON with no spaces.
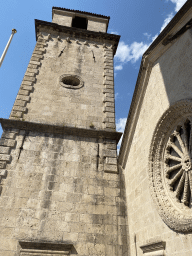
{"x":61,"y":191}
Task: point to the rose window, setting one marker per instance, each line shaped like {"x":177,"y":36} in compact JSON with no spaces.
{"x":178,"y":163}
{"x":170,"y":166}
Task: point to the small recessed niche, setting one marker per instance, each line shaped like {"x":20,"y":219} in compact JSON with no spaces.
{"x":79,"y":22}
{"x":71,"y":81}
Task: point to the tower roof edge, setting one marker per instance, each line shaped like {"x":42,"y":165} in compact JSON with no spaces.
{"x":77,"y":11}
{"x":71,"y":30}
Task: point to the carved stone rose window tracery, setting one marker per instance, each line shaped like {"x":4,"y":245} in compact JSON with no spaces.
{"x":170,"y":166}
{"x":178,"y":162}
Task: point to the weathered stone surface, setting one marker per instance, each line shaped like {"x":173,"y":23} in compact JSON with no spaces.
{"x":110,"y":160}
{"x":110,"y":168}
{"x":16,"y":114}
{"x":27,"y":87}
{"x":109,"y":153}
{"x":3,"y":173}
{"x":22,"y":97}
{"x":108,"y":90}
{"x":158,"y":213}
{"x":30,"y":74}
{"x":7,"y":142}
{"x":60,"y":189}
{"x":109,"y":109}
{"x":24,"y":92}
{"x":2,"y":164}
{"x":109,"y":104}
{"x":38,"y":63}
{"x":19,"y":108}
{"x":29,"y":78}
{"x":4,"y":150}
{"x":108,"y":99}
{"x":20,"y":103}
{"x":106,"y":82}
{"x":27,"y":83}
{"x":8,"y":135}
{"x":36,"y":58}
{"x":4,"y":157}
{"x":32,"y":70}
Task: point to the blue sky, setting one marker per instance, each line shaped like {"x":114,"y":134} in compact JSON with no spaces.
{"x":138,"y":22}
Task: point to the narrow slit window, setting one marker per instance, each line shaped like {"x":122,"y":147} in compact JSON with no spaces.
{"x":79,"y":22}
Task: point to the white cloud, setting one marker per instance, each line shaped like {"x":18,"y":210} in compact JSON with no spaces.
{"x":120,"y":124}
{"x":166,"y":21}
{"x":123,"y":52}
{"x":135,"y":50}
{"x":119,"y":67}
{"x":147,"y":35}
{"x":154,"y":37}
{"x":114,"y":32}
{"x":116,"y":95}
{"x":179,"y":4}
{"x":131,"y":52}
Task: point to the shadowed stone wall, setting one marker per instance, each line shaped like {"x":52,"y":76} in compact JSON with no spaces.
{"x":169,"y":82}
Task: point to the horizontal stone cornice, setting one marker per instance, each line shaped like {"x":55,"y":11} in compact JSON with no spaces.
{"x":58,"y":129}
{"x":76,"y":32}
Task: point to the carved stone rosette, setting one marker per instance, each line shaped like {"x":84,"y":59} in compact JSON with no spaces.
{"x":170,"y":166}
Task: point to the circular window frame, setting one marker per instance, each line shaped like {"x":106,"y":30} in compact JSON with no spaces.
{"x":173,"y":214}
{"x":68,"y":86}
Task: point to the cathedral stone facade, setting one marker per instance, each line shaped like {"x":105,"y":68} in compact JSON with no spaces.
{"x":155,"y":155}
{"x":63,"y":190}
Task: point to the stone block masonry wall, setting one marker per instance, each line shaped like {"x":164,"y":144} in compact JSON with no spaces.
{"x":110,"y":156}
{"x":96,"y":26}
{"x":61,"y":19}
{"x":7,"y":143}
{"x":169,"y":82}
{"x":59,"y":188}
{"x":62,"y":194}
{"x":23,"y":97}
{"x":42,"y":96}
{"x":108,"y":82}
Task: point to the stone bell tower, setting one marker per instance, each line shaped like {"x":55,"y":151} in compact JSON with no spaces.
{"x":61,"y":192}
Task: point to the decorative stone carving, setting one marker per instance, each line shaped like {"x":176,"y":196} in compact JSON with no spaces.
{"x":178,"y":162}
{"x":170,"y":167}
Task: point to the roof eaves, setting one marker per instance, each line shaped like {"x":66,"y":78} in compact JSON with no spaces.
{"x":77,"y":11}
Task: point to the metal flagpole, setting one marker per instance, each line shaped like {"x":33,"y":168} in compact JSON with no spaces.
{"x":7,"y":46}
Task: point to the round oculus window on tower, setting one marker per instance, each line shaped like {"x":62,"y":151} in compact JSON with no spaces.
{"x":71,"y":81}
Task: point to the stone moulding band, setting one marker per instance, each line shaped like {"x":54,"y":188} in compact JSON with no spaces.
{"x":177,"y":216}
{"x":34,"y":248}
{"x":151,"y":247}
{"x":79,"y":32}
{"x":48,"y":128}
